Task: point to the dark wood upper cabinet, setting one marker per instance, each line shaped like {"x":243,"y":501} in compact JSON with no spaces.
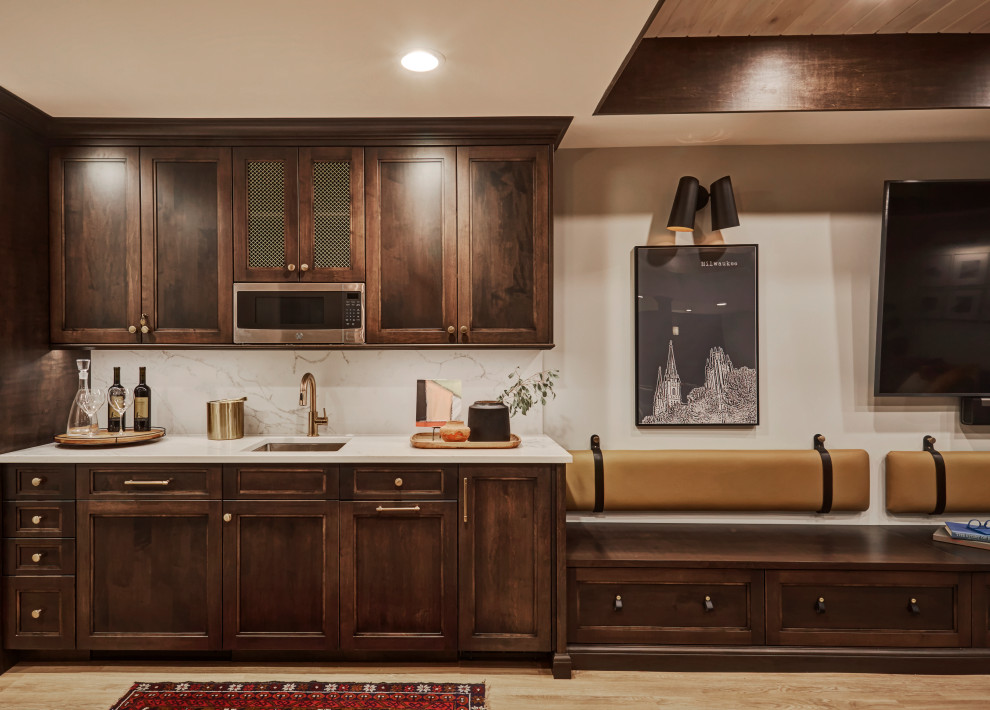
{"x":504,"y":559}
{"x":412,"y":245}
{"x":298,"y":214}
{"x":186,"y":276}
{"x":280,"y":574}
{"x":95,"y":233}
{"x":459,"y":255}
{"x":331,"y":214}
{"x":398,"y":575}
{"x":503,"y":244}
{"x":148,"y":575}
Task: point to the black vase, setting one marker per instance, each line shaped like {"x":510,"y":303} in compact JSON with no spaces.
{"x":489,"y":421}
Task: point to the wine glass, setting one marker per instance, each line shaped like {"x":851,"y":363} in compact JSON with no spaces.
{"x":90,"y":401}
{"x":120,"y":402}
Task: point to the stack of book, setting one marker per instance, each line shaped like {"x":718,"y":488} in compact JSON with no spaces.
{"x":963,"y":534}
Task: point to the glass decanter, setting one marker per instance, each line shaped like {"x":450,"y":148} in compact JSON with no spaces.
{"x":80,"y":419}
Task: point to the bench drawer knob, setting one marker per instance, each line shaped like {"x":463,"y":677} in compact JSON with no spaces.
{"x":709,"y":604}
{"x":820,"y":605}
{"x":913,"y":607}
{"x":618,"y":603}
{"x":36,"y":614}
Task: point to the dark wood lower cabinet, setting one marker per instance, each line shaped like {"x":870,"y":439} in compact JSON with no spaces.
{"x":39,"y":613}
{"x":280,"y":574}
{"x":981,"y":609}
{"x":398,"y":580}
{"x":504,"y":559}
{"x":148,"y":575}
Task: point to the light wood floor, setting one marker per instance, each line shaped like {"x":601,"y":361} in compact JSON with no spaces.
{"x":95,"y":686}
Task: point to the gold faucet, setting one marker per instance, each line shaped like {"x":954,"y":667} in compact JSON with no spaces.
{"x":307,"y":395}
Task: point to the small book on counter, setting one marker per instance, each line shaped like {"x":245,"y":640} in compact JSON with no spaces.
{"x":962,"y":531}
{"x":942,"y":535}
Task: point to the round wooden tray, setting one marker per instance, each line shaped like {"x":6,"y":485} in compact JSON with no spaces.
{"x":428,"y":441}
{"x":111,"y":438}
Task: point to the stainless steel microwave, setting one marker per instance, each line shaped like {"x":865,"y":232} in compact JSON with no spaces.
{"x":299,"y":313}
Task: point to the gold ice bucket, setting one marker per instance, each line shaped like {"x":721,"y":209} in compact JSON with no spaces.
{"x":225,"y":419}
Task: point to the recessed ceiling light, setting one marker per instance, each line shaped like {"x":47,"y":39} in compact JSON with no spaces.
{"x":687,"y":310}
{"x":721,"y":304}
{"x":422,"y":60}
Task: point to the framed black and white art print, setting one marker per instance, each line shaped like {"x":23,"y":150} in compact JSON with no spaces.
{"x":696,"y":336}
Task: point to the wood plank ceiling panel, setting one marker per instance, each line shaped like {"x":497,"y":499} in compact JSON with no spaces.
{"x":880,"y":15}
{"x":741,"y":18}
{"x":946,"y":16}
{"x":816,"y":14}
{"x":845,"y":17}
{"x":919,"y":12}
{"x":977,"y":21}
{"x":782,"y":16}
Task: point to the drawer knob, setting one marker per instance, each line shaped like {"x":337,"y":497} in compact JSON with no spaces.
{"x":37,"y":481}
{"x":913,"y":607}
{"x":36,"y":557}
{"x":227,"y":517}
{"x":709,"y":604}
{"x":398,"y":483}
{"x":820,"y":605}
{"x":36,"y":614}
{"x":36,"y":519}
{"x":618,"y":603}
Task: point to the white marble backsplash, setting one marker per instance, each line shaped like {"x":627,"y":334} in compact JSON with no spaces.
{"x":369,"y":392}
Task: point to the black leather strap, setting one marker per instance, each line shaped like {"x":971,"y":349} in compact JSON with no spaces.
{"x":928,"y":443}
{"x":819,"y":443}
{"x":596,"y":451}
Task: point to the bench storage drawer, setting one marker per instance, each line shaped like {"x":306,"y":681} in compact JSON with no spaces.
{"x":665,"y":606}
{"x":839,"y":608}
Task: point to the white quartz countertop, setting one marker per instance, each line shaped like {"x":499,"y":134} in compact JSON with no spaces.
{"x":357,"y":449}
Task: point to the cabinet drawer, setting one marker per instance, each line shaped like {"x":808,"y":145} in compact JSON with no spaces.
{"x":398,"y":482}
{"x":669,"y":606}
{"x":39,"y":612}
{"x":161,"y":482}
{"x":925,"y":609}
{"x":39,"y":519}
{"x":31,"y":482}
{"x":280,"y":482}
{"x":39,"y":557}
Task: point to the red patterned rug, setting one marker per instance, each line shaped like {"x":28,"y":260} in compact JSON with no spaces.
{"x":282,"y":695}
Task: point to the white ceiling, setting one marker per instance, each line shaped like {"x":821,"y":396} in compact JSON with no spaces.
{"x":339,"y":58}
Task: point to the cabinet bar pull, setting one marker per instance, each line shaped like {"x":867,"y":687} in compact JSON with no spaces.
{"x":413,"y":509}
{"x":166,"y":482}
{"x":465,"y":499}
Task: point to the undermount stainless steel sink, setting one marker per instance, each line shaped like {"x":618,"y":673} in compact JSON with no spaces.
{"x":302,"y":446}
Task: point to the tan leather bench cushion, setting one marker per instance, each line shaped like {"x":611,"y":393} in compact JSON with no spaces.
{"x":719,"y":480}
{"x":911,"y":481}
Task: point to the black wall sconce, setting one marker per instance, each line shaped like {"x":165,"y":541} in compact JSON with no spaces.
{"x":691,"y":197}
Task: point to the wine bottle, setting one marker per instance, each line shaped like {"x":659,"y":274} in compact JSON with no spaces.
{"x":142,"y":404}
{"x":115,"y":421}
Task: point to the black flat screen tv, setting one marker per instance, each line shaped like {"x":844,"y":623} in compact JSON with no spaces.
{"x":933,"y":325}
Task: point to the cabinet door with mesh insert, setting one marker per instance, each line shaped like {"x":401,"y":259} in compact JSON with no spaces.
{"x":331,"y":214}
{"x":266,"y":211}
